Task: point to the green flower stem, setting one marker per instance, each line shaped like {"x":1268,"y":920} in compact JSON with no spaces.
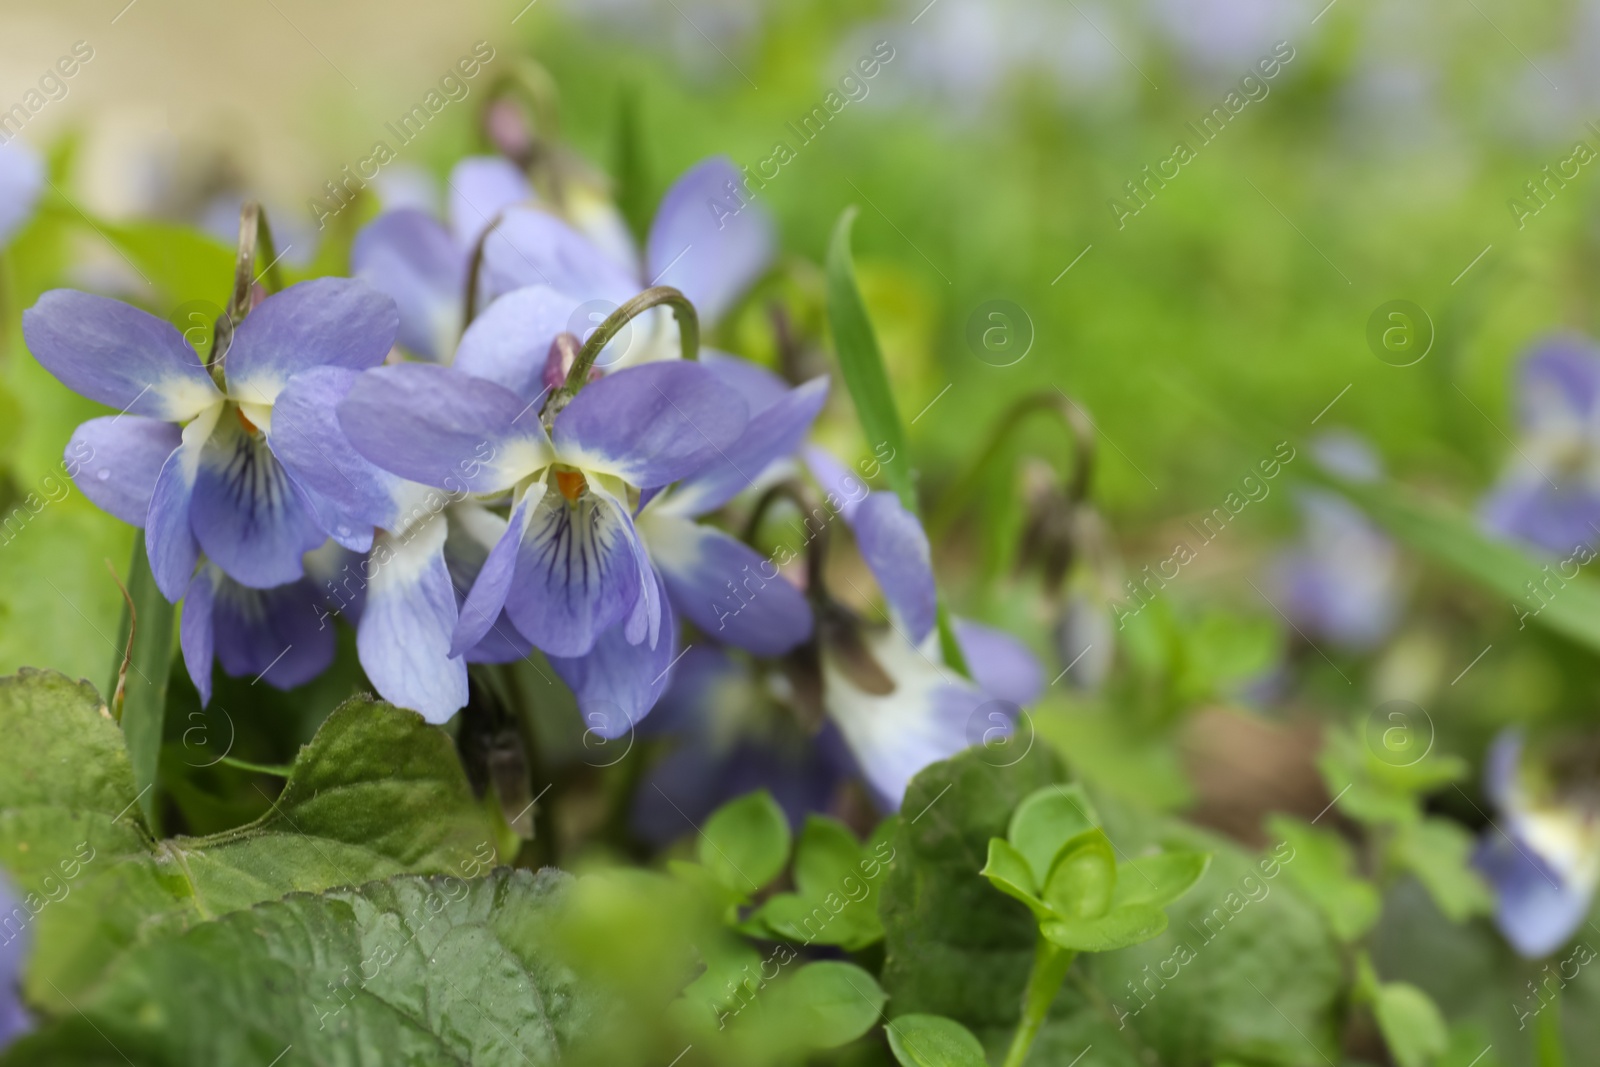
{"x":1050,"y":966}
{"x":688,"y":329}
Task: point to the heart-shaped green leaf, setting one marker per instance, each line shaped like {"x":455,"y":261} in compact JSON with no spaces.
{"x":1082,"y":878}
{"x":1160,"y":879}
{"x":933,"y":1041}
{"x":1008,"y":871}
{"x":1127,"y":925}
{"x":833,"y":1002}
{"x":1045,"y":820}
{"x":1411,"y":1024}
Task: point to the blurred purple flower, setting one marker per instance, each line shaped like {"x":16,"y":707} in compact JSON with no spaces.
{"x":21,"y":180}
{"x":209,"y":470}
{"x":14,"y":945}
{"x":1542,"y":858}
{"x":1550,"y":494}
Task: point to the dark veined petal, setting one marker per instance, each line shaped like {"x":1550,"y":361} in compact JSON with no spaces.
{"x":409,"y":256}
{"x":440,"y":427}
{"x":117,"y":460}
{"x":895,"y":547}
{"x":617,"y":682}
{"x":118,"y":355}
{"x":731,"y":592}
{"x":407,"y":622}
{"x":576,"y":574}
{"x":246,"y":511}
{"x":486,"y":600}
{"x":334,"y":322}
{"x":708,"y":239}
{"x":652,"y":424}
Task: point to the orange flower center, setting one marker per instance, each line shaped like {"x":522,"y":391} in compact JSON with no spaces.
{"x":249,"y":426}
{"x":571,"y":484}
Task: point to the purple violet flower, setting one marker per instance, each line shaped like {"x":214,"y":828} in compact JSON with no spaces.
{"x":1542,"y":858}
{"x":14,"y":946}
{"x":1550,"y":493}
{"x":212,"y":473}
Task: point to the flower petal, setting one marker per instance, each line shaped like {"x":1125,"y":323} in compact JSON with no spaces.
{"x":650,"y":425}
{"x":282,"y":635}
{"x":410,"y":613}
{"x":576,"y":573}
{"x":409,"y":256}
{"x":895,"y":547}
{"x":509,"y":343}
{"x":440,"y":427}
{"x":708,"y":239}
{"x":1001,"y":665}
{"x":21,"y":180}
{"x":1536,"y":909}
{"x":486,"y":600}
{"x":772,"y":435}
{"x":727,"y":589}
{"x":118,"y":459}
{"x":1559,"y":381}
{"x":617,"y":682}
{"x":481,"y":187}
{"x":118,"y":355}
{"x":307,"y":438}
{"x":532,"y":247}
{"x":844,"y":485}
{"x":195,"y":630}
{"x":169,"y":539}
{"x":336,"y":322}
{"x":246,"y":511}
{"x":1526,"y":507}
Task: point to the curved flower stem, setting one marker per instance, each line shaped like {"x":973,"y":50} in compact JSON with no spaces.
{"x":1050,"y":966}
{"x":469,"y":299}
{"x":533,"y":146}
{"x":688,"y":329}
{"x":255,"y":240}
{"x":1054,"y":402}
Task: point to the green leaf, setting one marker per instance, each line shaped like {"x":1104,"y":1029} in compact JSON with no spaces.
{"x":826,"y":854}
{"x":1160,"y":879}
{"x":1045,"y":821}
{"x":412,"y":970}
{"x":954,"y":946}
{"x":1082,"y":878}
{"x":145,"y":687}
{"x":861,"y":363}
{"x":834,"y":1002}
{"x":1439,"y":853}
{"x":377,"y":792}
{"x":1130,"y":924}
{"x":1321,"y":870}
{"x":836,"y":878}
{"x":1411,"y":1024}
{"x":1457,"y":541}
{"x":745,"y":843}
{"x":1007,"y":870}
{"x":182,"y":262}
{"x":933,"y":1041}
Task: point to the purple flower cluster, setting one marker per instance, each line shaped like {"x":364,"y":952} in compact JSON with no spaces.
{"x":352,"y":452}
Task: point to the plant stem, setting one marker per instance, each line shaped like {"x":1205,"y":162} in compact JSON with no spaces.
{"x":688,"y":330}
{"x":1050,"y":965}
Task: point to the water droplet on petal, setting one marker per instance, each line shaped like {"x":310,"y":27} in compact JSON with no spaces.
{"x":344,"y":531}
{"x":104,"y":474}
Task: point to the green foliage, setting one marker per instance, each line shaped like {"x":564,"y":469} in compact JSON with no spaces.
{"x":830,"y":869}
{"x":933,"y":1041}
{"x":410,"y":970}
{"x":376,"y":793}
{"x":1322,"y":872}
{"x":1411,"y":1024}
{"x":150,"y":623}
{"x":745,"y":843}
{"x":180,"y":262}
{"x":1439,"y":853}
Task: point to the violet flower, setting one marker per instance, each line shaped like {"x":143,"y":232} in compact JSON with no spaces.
{"x":21,"y":181}
{"x":207,"y":469}
{"x":14,"y":948}
{"x":1542,"y":857}
{"x":708,"y":240}
{"x":912,"y":710}
{"x":570,"y":571}
{"x":1550,"y":494}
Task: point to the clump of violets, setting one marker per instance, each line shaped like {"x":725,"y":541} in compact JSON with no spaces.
{"x":1549,"y":495}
